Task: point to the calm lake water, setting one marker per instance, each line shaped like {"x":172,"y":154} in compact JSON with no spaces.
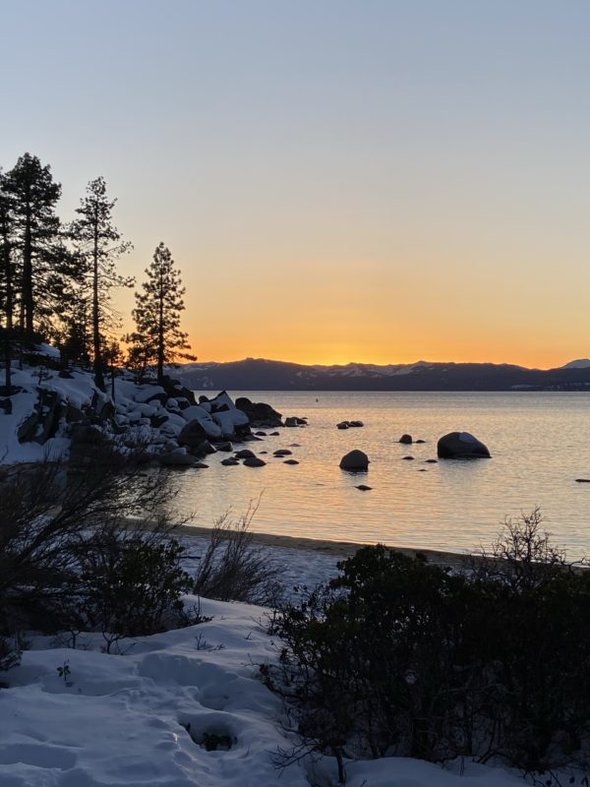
{"x":540,"y":443}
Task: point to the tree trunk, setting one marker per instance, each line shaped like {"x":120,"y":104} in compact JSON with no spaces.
{"x":161,"y":331}
{"x":98,"y":370}
{"x":27,"y":285}
{"x":9,"y":315}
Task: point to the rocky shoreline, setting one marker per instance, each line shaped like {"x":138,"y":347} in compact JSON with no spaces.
{"x":57,"y":414}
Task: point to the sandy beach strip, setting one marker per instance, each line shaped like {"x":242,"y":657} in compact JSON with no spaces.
{"x":341,"y":549}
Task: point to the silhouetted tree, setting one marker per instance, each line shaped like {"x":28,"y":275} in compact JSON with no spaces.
{"x":158,"y":339}
{"x":6,"y":278}
{"x":34,"y":227}
{"x":99,"y":241}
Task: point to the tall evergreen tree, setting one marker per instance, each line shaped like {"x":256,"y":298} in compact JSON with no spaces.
{"x":99,"y":241}
{"x":158,"y":339}
{"x":35,"y":226}
{"x":7,"y":274}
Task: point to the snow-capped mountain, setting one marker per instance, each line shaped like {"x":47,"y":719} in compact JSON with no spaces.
{"x":259,"y":374}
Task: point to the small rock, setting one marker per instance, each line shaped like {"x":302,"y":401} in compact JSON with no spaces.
{"x":420,"y":441}
{"x":254,"y":461}
{"x":408,"y":458}
{"x":290,"y":462}
{"x":294,"y":420}
{"x":225,"y":447}
{"x":177,"y":458}
{"x":282,"y":452}
{"x":342,"y":425}
{"x":431,"y":461}
{"x":245,"y":453}
{"x":406,"y":439}
{"x":582,"y":480}
{"x":364,"y":488}
{"x":229,"y":462}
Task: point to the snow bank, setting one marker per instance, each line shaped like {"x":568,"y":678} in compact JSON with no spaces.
{"x":148,"y":717}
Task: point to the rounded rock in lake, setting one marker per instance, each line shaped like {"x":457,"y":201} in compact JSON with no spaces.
{"x":406,"y":439}
{"x":363,"y":488}
{"x":290,"y":462}
{"x":461,"y":445}
{"x":355,"y":461}
{"x":244,"y":453}
{"x":230,"y":462}
{"x":254,"y":461}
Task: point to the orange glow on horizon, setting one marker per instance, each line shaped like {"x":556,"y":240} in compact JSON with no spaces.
{"x":308,"y":356}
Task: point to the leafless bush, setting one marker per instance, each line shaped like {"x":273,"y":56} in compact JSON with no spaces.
{"x":59,"y":529}
{"x":233,"y":567}
{"x":522,"y":555}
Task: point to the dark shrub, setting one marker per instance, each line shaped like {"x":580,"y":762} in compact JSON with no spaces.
{"x":399,"y":656}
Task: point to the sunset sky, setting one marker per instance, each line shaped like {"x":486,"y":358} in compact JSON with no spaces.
{"x":377,"y":181}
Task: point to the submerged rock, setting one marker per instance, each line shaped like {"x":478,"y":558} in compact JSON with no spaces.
{"x":294,"y":420}
{"x":349,"y":425}
{"x":461,"y":445}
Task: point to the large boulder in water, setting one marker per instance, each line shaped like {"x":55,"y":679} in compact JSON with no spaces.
{"x":355,"y":460}
{"x":461,"y":445}
{"x":260,"y":414}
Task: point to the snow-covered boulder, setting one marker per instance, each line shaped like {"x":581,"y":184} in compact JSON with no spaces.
{"x":461,"y":445}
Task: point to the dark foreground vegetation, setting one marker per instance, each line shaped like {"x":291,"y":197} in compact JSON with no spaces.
{"x":400,"y":657}
{"x":95,"y":551}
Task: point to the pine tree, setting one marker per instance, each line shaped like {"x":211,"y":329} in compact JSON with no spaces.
{"x":7,"y":274}
{"x":99,"y":241}
{"x":158,"y":339}
{"x":35,"y":227}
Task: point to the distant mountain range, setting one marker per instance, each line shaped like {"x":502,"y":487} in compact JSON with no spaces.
{"x":258,"y":374}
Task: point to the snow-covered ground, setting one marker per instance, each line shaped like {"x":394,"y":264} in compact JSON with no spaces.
{"x":144,"y":719}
